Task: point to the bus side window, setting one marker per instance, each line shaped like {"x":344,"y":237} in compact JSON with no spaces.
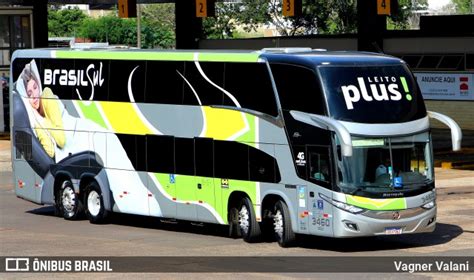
{"x":23,"y":145}
{"x":263,"y":167}
{"x":160,"y":154}
{"x":251,"y":85}
{"x":204,"y":157}
{"x":129,"y":144}
{"x":205,"y":91}
{"x":163,"y":82}
{"x":231,"y":160}
{"x":297,"y":86}
{"x":184,"y":156}
{"x":319,"y":165}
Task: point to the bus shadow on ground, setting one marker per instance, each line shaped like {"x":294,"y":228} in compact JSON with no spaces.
{"x":443,"y":233}
{"x":150,"y":223}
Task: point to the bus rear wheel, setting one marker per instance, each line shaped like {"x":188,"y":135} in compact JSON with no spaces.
{"x":282,"y":225}
{"x":249,"y":227}
{"x":95,"y":209}
{"x":70,"y":204}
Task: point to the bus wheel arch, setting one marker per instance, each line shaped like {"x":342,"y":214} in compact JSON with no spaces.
{"x":242,"y":218}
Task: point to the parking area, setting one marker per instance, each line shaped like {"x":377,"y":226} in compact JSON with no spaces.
{"x":27,"y":229}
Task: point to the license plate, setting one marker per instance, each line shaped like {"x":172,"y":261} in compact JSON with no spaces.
{"x":393,"y":230}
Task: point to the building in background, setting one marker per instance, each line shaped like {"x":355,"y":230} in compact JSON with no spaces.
{"x":16,"y":32}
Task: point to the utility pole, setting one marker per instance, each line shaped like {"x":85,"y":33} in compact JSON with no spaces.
{"x":188,"y":26}
{"x":371,"y":27}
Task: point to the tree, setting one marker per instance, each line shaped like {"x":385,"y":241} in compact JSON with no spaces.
{"x":312,"y":20}
{"x":317,"y":17}
{"x":64,"y":22}
{"x":462,"y":6}
{"x":110,"y":29}
{"x":406,"y":16}
{"x":158,"y":26}
{"x":157,"y":31}
{"x":223,"y":25}
{"x":344,"y":17}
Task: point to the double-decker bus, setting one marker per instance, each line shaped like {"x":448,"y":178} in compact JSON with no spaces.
{"x":277,"y":141}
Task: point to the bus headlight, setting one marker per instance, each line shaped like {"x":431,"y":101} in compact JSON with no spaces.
{"x":341,"y":205}
{"x":429,"y":205}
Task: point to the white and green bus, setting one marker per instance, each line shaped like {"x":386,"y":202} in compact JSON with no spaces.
{"x":277,"y":141}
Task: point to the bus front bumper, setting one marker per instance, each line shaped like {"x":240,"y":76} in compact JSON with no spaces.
{"x":407,"y":221}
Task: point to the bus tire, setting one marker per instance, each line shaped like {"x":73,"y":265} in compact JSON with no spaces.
{"x":282,"y":225}
{"x":249,"y":227}
{"x":233,"y":218}
{"x":69,"y":201}
{"x":58,"y":211}
{"x":95,"y":209}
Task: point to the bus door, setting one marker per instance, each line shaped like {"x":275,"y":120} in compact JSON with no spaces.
{"x":204,"y":184}
{"x":185,"y":180}
{"x":319,"y":173}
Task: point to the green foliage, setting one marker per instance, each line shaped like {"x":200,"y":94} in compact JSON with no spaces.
{"x":223,"y":25}
{"x":313,"y":19}
{"x":402,"y":17}
{"x":463,"y":6}
{"x":343,"y":17}
{"x":64,"y":23}
{"x":317,"y":17}
{"x":251,"y":14}
{"x":157,"y":26}
{"x":110,"y":29}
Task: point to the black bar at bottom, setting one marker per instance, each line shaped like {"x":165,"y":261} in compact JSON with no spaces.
{"x":238,"y":264}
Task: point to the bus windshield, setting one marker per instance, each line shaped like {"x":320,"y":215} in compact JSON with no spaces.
{"x":380,"y":166}
{"x":372,"y":94}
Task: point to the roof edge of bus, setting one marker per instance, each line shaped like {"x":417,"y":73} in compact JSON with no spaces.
{"x":202,"y":55}
{"x":140,"y":54}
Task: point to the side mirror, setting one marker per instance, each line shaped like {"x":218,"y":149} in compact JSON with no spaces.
{"x":456,"y":133}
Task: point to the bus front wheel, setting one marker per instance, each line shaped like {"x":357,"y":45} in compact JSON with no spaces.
{"x":248,"y":224}
{"x":95,"y":209}
{"x":70,"y":204}
{"x":282,"y":225}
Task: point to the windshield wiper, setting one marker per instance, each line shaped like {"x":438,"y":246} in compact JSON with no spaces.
{"x":358,"y":189}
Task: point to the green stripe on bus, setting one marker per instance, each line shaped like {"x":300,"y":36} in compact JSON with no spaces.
{"x":377,"y":204}
{"x":232,"y":57}
{"x":131,"y":55}
{"x":248,"y":137}
{"x":145,"y":55}
{"x":217,"y":198}
{"x":91,"y":112}
{"x":249,"y":188}
{"x":405,"y":85}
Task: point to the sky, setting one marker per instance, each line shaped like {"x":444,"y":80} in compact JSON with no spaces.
{"x":436,"y":4}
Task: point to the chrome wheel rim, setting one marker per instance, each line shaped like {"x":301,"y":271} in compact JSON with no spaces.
{"x":278,"y":224}
{"x":68,"y":198}
{"x":93,"y":203}
{"x":244,"y":219}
